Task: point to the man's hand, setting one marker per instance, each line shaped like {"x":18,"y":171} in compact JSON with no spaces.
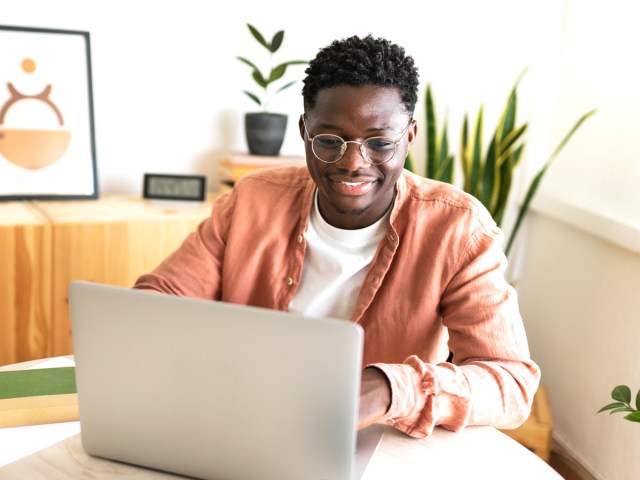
{"x":375,"y":396}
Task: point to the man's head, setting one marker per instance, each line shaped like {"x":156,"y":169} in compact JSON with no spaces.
{"x":359,"y":61}
{"x":359,"y":97}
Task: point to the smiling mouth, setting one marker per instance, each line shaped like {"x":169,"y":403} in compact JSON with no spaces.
{"x":352,"y":187}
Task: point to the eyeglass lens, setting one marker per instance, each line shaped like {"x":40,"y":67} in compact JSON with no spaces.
{"x":330,"y":148}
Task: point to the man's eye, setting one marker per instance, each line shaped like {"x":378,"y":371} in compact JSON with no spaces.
{"x":379,"y":143}
{"x":328,"y":142}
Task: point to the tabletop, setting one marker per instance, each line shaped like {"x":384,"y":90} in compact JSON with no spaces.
{"x":55,"y":451}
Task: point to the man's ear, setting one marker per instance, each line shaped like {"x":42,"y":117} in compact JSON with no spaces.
{"x":412,"y":133}
{"x":301,"y":126}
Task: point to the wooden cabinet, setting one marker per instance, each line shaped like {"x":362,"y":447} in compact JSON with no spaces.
{"x":25,"y":283}
{"x":46,"y":245}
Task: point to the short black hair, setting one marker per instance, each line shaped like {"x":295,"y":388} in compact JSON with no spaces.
{"x":359,"y":61}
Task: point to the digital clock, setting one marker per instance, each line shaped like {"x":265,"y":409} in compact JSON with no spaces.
{"x":175,"y":187}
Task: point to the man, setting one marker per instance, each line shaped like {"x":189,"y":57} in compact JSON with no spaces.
{"x":417,"y":263}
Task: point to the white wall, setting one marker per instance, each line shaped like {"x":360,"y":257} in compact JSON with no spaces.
{"x":580,"y":265}
{"x":167,"y":86}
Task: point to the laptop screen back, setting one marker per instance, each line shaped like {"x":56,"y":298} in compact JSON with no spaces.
{"x":214,"y":390}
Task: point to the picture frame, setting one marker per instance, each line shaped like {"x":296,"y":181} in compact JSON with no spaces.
{"x":47,"y":132}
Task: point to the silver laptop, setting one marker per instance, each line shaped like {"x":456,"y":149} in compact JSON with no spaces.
{"x":215,"y":390}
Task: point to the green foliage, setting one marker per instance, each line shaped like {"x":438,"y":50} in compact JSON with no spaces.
{"x":487,"y":175}
{"x":440,"y":162}
{"x":275,"y":72}
{"x":622,"y":396}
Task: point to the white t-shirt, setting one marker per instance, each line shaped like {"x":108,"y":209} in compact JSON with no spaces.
{"x":335,"y":265}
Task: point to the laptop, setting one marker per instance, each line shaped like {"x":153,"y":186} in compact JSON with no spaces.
{"x":215,"y":390}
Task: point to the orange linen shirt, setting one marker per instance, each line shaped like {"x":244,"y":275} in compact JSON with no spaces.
{"x":437,"y":277}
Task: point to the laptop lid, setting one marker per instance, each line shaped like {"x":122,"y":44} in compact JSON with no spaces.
{"x":214,"y":390}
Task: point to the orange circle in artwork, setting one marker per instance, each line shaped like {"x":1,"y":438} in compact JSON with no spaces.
{"x":28,"y":65}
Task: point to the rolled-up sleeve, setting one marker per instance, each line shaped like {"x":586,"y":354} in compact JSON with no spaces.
{"x":492,"y":379}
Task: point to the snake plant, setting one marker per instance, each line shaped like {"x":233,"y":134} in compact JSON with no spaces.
{"x":487,"y":175}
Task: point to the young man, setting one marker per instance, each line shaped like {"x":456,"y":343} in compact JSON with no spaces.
{"x":416,"y":262}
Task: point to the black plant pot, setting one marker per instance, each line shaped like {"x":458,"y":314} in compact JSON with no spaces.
{"x":265,"y":132}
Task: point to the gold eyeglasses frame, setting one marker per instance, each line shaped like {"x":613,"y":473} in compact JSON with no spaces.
{"x":362,"y":149}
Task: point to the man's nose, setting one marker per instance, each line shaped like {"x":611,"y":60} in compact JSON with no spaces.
{"x":352,"y":159}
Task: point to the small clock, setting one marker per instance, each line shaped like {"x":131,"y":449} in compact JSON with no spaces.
{"x":175,"y":187}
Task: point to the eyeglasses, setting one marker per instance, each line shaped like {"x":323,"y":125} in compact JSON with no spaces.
{"x":330,"y":148}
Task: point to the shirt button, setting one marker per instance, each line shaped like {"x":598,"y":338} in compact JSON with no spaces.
{"x":300,"y":238}
{"x":289,"y":281}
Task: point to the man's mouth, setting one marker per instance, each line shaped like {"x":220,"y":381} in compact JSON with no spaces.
{"x":352,"y":187}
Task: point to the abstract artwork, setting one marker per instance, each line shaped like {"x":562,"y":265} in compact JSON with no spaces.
{"x":47,"y":138}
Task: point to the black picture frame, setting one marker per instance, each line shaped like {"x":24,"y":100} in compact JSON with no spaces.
{"x":47,"y":130}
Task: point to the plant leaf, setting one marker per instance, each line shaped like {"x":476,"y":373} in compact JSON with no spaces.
{"x":611,"y":406}
{"x":253,"y":97}
{"x":633,"y":417}
{"x":248,"y":62}
{"x":621,"y":409}
{"x":622,"y":393}
{"x":276,"y":41}
{"x":465,"y":158}
{"x":489,"y":175}
{"x":535,"y":183}
{"x":260,"y":80}
{"x":258,"y":36}
{"x":277,"y":72}
{"x":431,"y":134}
{"x":408,"y":163}
{"x":475,"y":188}
{"x":286,"y":85}
{"x":638,"y":400}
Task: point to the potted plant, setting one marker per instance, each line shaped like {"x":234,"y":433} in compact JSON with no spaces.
{"x":487,"y":175}
{"x":622,"y":396}
{"x":265,"y":130}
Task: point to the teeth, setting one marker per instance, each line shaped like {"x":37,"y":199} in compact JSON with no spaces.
{"x":352,"y":184}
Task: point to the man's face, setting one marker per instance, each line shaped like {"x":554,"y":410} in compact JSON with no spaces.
{"x":352,"y":193}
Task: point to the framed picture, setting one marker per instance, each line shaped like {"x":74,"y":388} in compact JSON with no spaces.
{"x":47,"y":137}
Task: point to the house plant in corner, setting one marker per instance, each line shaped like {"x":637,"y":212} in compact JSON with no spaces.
{"x":487,"y":176}
{"x":265,"y":130}
{"x":622,"y":396}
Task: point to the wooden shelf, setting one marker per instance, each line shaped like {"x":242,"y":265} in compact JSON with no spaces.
{"x":112,"y":240}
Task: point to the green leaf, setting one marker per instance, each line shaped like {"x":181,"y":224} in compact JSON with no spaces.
{"x":253,"y":97}
{"x":286,"y":85}
{"x":633,"y":417}
{"x":260,"y":80}
{"x":276,"y":41}
{"x":508,"y":117}
{"x":535,"y":183}
{"x":258,"y":36}
{"x":621,"y":409}
{"x":408,"y":163}
{"x":489,"y":175}
{"x":611,"y":406}
{"x":465,"y":157}
{"x":248,"y":62}
{"x":476,"y":156}
{"x":622,"y":393}
{"x":638,"y":400}
{"x":431,"y":133}
{"x":277,"y":72}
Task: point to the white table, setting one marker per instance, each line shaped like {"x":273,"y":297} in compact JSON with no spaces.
{"x":54,"y":451}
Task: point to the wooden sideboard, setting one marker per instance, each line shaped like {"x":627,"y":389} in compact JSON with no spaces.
{"x":46,"y":245}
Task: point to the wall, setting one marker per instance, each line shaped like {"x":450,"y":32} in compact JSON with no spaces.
{"x":580,"y":258}
{"x":579,"y":297}
{"x":168,"y":89}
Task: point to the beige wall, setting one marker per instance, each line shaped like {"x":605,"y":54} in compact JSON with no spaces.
{"x":581,"y":304}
